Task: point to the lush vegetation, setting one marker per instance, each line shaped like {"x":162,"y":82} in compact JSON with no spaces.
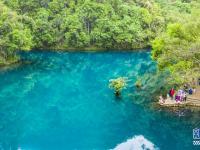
{"x":95,"y":24}
{"x":171,"y":28}
{"x":177,"y":49}
{"x":114,"y":24}
{"x":13,"y":35}
{"x":118,"y":85}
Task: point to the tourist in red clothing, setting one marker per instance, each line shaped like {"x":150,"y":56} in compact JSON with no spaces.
{"x":171,"y":93}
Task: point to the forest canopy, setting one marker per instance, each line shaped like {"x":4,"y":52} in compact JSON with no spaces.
{"x":67,"y":24}
{"x":61,"y":24}
{"x":177,"y":49}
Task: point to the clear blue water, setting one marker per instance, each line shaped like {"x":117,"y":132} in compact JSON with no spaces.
{"x":61,"y":101}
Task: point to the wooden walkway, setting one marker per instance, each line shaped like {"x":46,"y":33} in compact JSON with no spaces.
{"x":192,"y":100}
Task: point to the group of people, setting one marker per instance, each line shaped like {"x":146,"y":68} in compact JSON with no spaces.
{"x":180,"y":95}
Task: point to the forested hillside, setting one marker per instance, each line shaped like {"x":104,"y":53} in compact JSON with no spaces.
{"x":177,"y":49}
{"x":114,"y":24}
{"x":62,"y":24}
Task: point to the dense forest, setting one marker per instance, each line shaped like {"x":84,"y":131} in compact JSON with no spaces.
{"x":170,"y":27}
{"x":177,"y":48}
{"x":61,"y":24}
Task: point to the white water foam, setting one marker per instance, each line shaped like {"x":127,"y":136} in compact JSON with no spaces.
{"x":136,"y":143}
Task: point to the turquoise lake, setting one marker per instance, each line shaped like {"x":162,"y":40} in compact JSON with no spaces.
{"x":61,"y":101}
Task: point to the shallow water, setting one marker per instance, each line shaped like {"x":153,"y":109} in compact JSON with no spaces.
{"x":61,"y":101}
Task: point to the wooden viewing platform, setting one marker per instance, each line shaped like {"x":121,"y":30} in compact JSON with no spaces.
{"x":192,"y":100}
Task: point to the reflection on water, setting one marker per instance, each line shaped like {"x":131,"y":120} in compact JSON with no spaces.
{"x":62,"y":101}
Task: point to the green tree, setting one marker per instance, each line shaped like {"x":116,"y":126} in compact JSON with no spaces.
{"x":14,"y":35}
